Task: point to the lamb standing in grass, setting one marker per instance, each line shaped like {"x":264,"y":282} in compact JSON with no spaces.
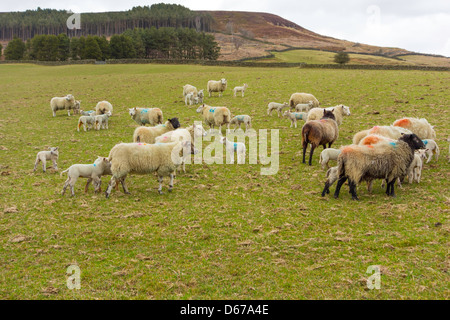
{"x":276,"y":106}
{"x":102,"y":107}
{"x":86,"y":121}
{"x":91,"y":171}
{"x":297,"y":98}
{"x":189,"y":98}
{"x":149,"y":134}
{"x":431,"y":148}
{"x":190,"y":89}
{"x":215,"y":116}
{"x":200,"y":97}
{"x":240,"y":89}
{"x":143,"y":116}
{"x":327,"y":155}
{"x":420,"y":127}
{"x":51,"y":154}
{"x":60,"y":103}
{"x":238,"y":120}
{"x":304,"y":107}
{"x":294,"y":116}
{"x":101,"y":121}
{"x":216,"y":86}
{"x":339,"y":112}
{"x":234,"y":147}
{"x":142,"y":158}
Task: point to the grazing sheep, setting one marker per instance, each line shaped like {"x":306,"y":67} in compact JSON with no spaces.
{"x":431,"y":148}
{"x":386,"y":131}
{"x":304,"y":107}
{"x":189,"y":89}
{"x":380,"y":161}
{"x":327,"y":155}
{"x":101,"y":121}
{"x":294,"y":116}
{"x":87,"y":113}
{"x":51,"y":154}
{"x":86,"y":121}
{"x":240,"y":89}
{"x":148,"y":134}
{"x":182,"y":134}
{"x":297,"y":98}
{"x":372,"y":139}
{"x":420,"y":127}
{"x":238,"y":120}
{"x":143,"y":116}
{"x":339,"y":112}
{"x":142,"y":158}
{"x":189,"y":98}
{"x":216,"y":86}
{"x":319,"y":132}
{"x":215,"y":116}
{"x":332,"y":176}
{"x":60,"y":103}
{"x":276,"y":106}
{"x":91,"y":171}
{"x":102,"y":107}
{"x":232,"y":147}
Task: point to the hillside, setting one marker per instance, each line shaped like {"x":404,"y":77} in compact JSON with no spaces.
{"x":256,"y":34}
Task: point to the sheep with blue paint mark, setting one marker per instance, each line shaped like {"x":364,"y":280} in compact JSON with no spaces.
{"x":241,"y":119}
{"x":143,"y":116}
{"x":431,"y":148}
{"x":234,"y":147}
{"x":215,"y":116}
{"x":294,"y":116}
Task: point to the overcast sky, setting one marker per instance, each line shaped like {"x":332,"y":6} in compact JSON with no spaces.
{"x":417,"y":25}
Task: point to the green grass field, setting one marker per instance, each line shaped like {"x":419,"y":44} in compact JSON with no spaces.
{"x":225,"y":232}
{"x":325,"y":57}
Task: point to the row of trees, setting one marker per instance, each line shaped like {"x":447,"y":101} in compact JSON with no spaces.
{"x":162,"y":43}
{"x":27,"y":24}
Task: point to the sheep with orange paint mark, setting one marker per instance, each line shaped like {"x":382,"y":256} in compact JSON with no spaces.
{"x":420,"y":127}
{"x":386,"y":131}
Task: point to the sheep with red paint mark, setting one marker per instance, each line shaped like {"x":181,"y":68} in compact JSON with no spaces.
{"x":420,"y":127}
{"x":386,"y":131}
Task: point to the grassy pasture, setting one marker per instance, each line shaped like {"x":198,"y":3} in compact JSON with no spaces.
{"x":225,"y":232}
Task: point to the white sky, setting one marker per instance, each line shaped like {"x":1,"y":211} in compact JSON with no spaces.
{"x":416,"y":25}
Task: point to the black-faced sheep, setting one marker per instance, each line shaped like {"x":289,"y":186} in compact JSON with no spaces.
{"x":380,"y":161}
{"x":319,"y":133}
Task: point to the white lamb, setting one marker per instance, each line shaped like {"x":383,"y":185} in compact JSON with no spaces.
{"x":60,"y":103}
{"x":431,"y":148}
{"x":304,"y":107}
{"x":276,"y":106}
{"x":200,"y":97}
{"x":86,"y":121}
{"x":101,"y":121}
{"x":339,"y":112}
{"x":216,"y":86}
{"x":51,"y":154}
{"x":241,"y":119}
{"x":189,"y":98}
{"x":234,"y":147}
{"x":294,"y":116}
{"x":327,"y":155}
{"x":415,"y":169}
{"x":189,"y":89}
{"x":240,"y":89}
{"x":87,"y":113}
{"x":91,"y":171}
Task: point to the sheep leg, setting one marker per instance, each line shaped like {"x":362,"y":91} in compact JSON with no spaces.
{"x":55,"y":165}
{"x":305,"y":146}
{"x":352,"y":186}
{"x":111,"y":185}
{"x":36,"y":164}
{"x":340,"y":182}
{"x":160,"y":180}
{"x":97,"y":184}
{"x":311,"y":152}
{"x":295,"y":122}
{"x":44,"y":164}
{"x":326,"y":189}
{"x":65,"y":186}
{"x":171,"y":183}
{"x":430,"y":155}
{"x":87,"y":185}
{"x":72,"y":185}
{"x":124,"y":186}
{"x":390,"y":188}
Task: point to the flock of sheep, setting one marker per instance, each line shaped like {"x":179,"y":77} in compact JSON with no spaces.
{"x":389,"y":153}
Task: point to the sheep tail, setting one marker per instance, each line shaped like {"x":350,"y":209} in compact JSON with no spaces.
{"x":63,"y":172}
{"x":305,"y":132}
{"x":79,"y":124}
